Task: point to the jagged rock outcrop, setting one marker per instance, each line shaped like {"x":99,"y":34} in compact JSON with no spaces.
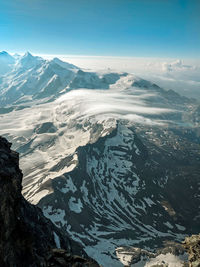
{"x":192,"y":245}
{"x":172,"y":254}
{"x":27,"y":238}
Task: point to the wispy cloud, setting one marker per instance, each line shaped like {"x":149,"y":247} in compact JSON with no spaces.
{"x":103,"y":104}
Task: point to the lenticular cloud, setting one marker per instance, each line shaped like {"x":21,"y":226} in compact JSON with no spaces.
{"x":102,"y":104}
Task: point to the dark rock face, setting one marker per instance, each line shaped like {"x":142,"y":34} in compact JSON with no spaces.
{"x":192,"y":245}
{"x":27,"y":238}
{"x":135,"y":185}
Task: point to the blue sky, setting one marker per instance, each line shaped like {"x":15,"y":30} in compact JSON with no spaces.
{"x":143,"y":28}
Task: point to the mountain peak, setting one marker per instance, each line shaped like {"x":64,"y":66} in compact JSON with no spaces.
{"x":56,"y":59}
{"x":28,"y":54}
{"x":28,"y":61}
{"x":64,"y":64}
{"x":6,"y":58}
{"x":4,"y":53}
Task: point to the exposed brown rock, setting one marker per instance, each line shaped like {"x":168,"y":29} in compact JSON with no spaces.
{"x":192,"y":246}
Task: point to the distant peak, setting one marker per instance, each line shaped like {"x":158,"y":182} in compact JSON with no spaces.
{"x":16,"y":55}
{"x":64,"y":64}
{"x":28,"y":54}
{"x":56,"y":59}
{"x":4,"y":53}
{"x":6,"y":57}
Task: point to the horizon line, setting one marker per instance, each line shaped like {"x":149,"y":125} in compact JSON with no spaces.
{"x":98,"y":56}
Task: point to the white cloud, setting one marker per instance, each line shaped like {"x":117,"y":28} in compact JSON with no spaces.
{"x":110,"y":103}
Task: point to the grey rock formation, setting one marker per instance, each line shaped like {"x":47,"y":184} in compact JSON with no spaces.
{"x":27,"y":238}
{"x":171,"y":254}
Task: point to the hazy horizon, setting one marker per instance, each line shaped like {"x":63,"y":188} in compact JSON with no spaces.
{"x":181,"y":75}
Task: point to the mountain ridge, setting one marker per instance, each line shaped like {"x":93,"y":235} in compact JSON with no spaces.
{"x":110,"y":157}
{"x":27,"y":237}
{"x":34,"y":78}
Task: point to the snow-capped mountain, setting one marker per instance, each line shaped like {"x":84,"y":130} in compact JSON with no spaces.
{"x":33,"y":78}
{"x":125,"y":191}
{"x":111,"y":158}
{"x":27,"y":237}
{"x":6,"y":58}
{"x":6,"y":62}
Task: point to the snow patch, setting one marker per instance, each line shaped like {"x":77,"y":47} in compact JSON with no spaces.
{"x":57,"y":240}
{"x":170,"y":260}
{"x":75,"y":205}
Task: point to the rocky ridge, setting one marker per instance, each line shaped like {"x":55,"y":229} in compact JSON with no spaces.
{"x":127,"y":194}
{"x":172,"y":254}
{"x":131,"y":183}
{"x":27,"y":238}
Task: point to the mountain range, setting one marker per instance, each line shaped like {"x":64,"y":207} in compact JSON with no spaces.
{"x":110,"y":158}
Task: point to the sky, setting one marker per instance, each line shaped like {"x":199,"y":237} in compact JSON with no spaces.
{"x":138,"y":28}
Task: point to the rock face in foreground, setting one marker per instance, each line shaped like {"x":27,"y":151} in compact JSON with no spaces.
{"x":27,"y":238}
{"x":192,"y":245}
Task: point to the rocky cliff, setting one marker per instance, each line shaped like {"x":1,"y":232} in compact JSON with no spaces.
{"x":27,"y":238}
{"x":192,"y":246}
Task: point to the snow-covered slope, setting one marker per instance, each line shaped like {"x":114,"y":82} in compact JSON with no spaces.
{"x":48,"y":134}
{"x":119,"y":194}
{"x":31,"y":78}
{"x":6,"y":62}
{"x":98,"y":152}
{"x":34,"y":78}
{"x":100,"y":164}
